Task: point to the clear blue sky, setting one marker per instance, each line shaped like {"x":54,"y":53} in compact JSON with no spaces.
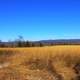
{"x":39,"y":19}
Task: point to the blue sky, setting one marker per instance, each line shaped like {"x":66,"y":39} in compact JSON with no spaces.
{"x":39,"y":19}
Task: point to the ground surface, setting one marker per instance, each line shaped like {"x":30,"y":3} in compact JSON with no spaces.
{"x":40,"y":63}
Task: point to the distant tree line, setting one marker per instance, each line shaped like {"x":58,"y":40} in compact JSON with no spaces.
{"x":20,"y":42}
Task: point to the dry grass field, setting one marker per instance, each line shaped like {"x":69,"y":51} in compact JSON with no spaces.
{"x":40,"y":63}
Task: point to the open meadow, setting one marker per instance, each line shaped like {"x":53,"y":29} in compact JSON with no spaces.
{"x":40,"y":63}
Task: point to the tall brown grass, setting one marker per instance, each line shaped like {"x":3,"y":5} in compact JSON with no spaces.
{"x":40,"y":63}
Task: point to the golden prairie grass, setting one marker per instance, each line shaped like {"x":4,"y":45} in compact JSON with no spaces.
{"x":39,"y":63}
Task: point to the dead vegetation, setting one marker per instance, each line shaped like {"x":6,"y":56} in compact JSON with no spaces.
{"x":44,"y":63}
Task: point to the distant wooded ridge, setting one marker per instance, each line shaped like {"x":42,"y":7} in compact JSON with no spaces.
{"x":22,"y":43}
